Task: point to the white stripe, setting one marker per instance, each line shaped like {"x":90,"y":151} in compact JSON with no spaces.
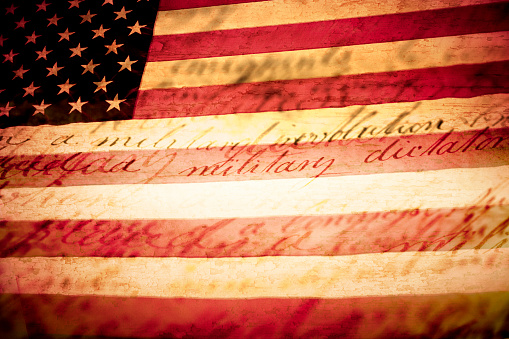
{"x":458,"y":114}
{"x":448,"y":188}
{"x":280,"y":12}
{"x":409,"y":273}
{"x":348,"y":60}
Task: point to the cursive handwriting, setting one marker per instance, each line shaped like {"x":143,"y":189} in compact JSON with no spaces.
{"x":280,"y":164}
{"x":478,"y":142}
{"x":297,"y":159}
{"x":361,"y":123}
{"x":484,"y":226}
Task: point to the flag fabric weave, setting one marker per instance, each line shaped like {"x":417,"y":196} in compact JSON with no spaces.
{"x":254,"y":169}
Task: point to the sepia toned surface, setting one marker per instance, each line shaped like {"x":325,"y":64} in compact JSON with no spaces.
{"x":292,"y":169}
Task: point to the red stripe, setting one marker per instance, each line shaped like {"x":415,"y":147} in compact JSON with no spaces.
{"x":290,"y":158}
{"x":461,"y":81}
{"x":166,"y":5}
{"x":392,"y":231}
{"x":431,"y":316}
{"x":345,"y":32}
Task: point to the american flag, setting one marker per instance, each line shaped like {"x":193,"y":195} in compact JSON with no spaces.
{"x":254,"y":169}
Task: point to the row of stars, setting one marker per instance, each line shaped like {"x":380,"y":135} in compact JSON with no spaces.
{"x":87,"y":68}
{"x":85,"y":18}
{"x":75,"y":52}
{"x":78,"y":106}
{"x":136,"y":28}
{"x":65,"y":88}
{"x":42,"y":6}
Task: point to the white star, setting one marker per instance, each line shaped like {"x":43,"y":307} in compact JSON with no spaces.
{"x":10,"y":56}
{"x":30,"y":89}
{"x":65,"y":35}
{"x":113,"y":47}
{"x":10,"y":9}
{"x":21,"y":23}
{"x":43,"y":53}
{"x":77,"y":105}
{"x":42,"y":6}
{"x":77,"y":50}
{"x":115,"y":103}
{"x":65,"y":87}
{"x":122,"y":13}
{"x":100,"y":32}
{"x":126,"y":64}
{"x":136,"y":28}
{"x":41,"y":108}
{"x":19,"y":73}
{"x":5,"y":110}
{"x":87,"y":17}
{"x":31,"y":38}
{"x":89,"y":67}
{"x":53,"y":21}
{"x":102,"y":84}
{"x":53,"y":70}
{"x":75,"y":3}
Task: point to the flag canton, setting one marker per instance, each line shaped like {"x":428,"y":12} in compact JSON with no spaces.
{"x":72,"y":61}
